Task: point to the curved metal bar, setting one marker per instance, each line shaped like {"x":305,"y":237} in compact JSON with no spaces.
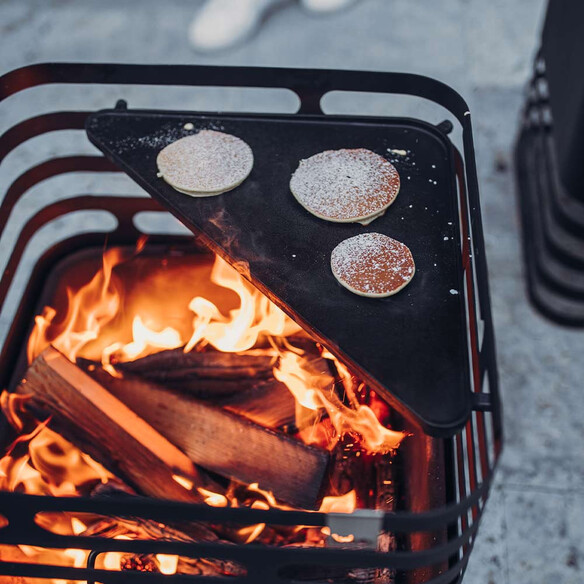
{"x":310,"y":84}
{"x":45,"y":170}
{"x":451,"y":576}
{"x":281,"y":556}
{"x":90,"y":564}
{"x":39,"y":125}
{"x":400,"y":521}
{"x":66,"y":573}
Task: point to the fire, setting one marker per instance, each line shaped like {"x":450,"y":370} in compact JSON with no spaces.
{"x":43,"y":462}
{"x":106,"y":322}
{"x":89,"y":309}
{"x":145,"y":341}
{"x":13,"y":407}
{"x":95,"y":306}
{"x":240,"y":330}
{"x":213,"y":499}
{"x":343,"y":504}
{"x":359,"y":419}
{"x":167,"y":564}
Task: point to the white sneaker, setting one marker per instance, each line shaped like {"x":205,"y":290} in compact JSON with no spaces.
{"x":323,"y":6}
{"x":223,"y":23}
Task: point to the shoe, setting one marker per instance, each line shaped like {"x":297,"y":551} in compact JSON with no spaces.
{"x":324,"y":6}
{"x":221,"y":24}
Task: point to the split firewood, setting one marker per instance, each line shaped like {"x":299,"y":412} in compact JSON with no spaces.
{"x":226,"y":443}
{"x":175,"y":364}
{"x":241,"y":383}
{"x":106,"y":429}
{"x":267,"y":402}
{"x":138,"y":428}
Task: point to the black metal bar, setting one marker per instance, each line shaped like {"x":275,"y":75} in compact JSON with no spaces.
{"x":253,"y":554}
{"x":20,"y":505}
{"x":39,"y":125}
{"x":310,"y":84}
{"x":45,"y":170}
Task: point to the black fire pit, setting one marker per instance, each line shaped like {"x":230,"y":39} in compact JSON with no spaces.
{"x":443,"y":471}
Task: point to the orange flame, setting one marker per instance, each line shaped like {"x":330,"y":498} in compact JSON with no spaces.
{"x":359,"y":419}
{"x":50,"y":465}
{"x":89,"y":309}
{"x":213,"y":499}
{"x":256,"y":315}
{"x":342,"y":504}
{"x":145,"y":341}
{"x":96,"y":304}
{"x":100,"y":323}
{"x":167,"y":564}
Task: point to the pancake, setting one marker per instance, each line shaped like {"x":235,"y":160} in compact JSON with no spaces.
{"x":345,"y":186}
{"x":372,"y":265}
{"x":205,"y":164}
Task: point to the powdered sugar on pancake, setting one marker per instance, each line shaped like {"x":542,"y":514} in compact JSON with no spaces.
{"x":372,"y":264}
{"x":345,"y":185}
{"x":209,"y":162}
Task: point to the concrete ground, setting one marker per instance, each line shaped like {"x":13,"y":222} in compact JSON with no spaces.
{"x":533,"y":529}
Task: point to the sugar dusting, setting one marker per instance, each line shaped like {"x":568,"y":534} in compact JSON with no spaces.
{"x":372,"y":264}
{"x":206,"y":162}
{"x":345,"y":185}
{"x":161,"y":137}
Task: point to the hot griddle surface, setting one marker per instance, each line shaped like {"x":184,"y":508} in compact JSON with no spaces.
{"x":412,"y":346}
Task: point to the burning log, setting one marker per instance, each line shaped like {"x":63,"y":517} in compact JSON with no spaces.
{"x":225,"y":443}
{"x":172,"y":365}
{"x":269,"y":403}
{"x":105,"y":428}
{"x":175,"y":364}
{"x":109,"y":419}
{"x":241,"y":383}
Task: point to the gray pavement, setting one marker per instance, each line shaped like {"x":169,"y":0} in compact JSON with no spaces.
{"x":533,"y":530}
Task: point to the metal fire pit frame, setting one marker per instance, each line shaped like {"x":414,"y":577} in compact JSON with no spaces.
{"x":472,"y":453}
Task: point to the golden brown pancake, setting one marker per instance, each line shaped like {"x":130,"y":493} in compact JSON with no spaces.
{"x":372,"y":265}
{"x":346,"y":186}
{"x":205,"y":164}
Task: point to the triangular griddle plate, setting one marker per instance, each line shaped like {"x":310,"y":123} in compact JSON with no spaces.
{"x":412,"y":347}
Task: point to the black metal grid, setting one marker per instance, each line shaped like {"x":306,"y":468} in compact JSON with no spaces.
{"x":472,"y":453}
